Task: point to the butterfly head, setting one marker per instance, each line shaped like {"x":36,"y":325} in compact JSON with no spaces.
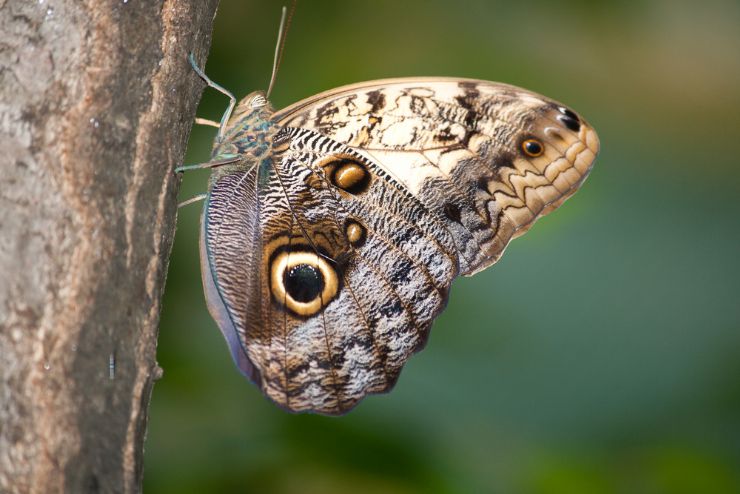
{"x":252,"y":107}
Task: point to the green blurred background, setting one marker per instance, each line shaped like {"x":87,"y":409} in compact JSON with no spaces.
{"x":600,"y":355}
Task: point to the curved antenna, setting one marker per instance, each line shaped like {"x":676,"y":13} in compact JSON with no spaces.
{"x":282,"y":34}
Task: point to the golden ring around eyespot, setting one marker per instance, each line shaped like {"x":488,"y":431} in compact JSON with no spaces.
{"x":533,"y":147}
{"x":287,"y":260}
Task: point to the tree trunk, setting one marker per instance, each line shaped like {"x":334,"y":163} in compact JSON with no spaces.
{"x":96,"y":103}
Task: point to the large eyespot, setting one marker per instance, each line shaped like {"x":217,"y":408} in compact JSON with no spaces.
{"x":532,"y":147}
{"x":302,"y":281}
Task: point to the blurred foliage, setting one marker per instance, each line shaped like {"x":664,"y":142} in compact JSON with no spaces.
{"x":600,"y":355}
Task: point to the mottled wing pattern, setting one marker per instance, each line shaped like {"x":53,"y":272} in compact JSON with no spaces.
{"x":456,"y":145}
{"x":377,"y":197}
{"x":392,"y":264}
{"x":231,"y":224}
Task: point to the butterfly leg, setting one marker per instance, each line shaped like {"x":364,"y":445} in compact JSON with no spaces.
{"x":197,"y":198}
{"x":209,"y":164}
{"x":205,"y":121}
{"x":232,"y":99}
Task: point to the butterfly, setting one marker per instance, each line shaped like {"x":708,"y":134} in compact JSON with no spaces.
{"x":333,"y":229}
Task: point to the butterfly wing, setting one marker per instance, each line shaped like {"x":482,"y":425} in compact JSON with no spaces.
{"x":230,"y":244}
{"x":350,"y":237}
{"x":456,"y":145}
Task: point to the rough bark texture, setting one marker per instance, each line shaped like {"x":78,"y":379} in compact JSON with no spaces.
{"x":96,"y":103}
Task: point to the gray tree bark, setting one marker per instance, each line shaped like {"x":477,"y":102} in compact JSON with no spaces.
{"x":96,"y":103}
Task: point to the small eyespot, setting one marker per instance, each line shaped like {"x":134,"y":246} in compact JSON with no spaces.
{"x":347,"y":174}
{"x":356,"y":233}
{"x":532,"y":147}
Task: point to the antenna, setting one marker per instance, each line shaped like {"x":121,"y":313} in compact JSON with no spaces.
{"x":282,"y":34}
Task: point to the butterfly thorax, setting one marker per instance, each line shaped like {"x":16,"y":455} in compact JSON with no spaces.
{"x":248,"y":134}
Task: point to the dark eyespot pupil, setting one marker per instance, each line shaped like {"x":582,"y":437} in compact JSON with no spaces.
{"x":532,"y":147}
{"x":303,"y":282}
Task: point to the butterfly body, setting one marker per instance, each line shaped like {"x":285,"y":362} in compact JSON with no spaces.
{"x":248,"y":134}
{"x":329,"y":246}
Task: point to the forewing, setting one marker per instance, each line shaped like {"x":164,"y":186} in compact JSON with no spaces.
{"x":456,"y":145}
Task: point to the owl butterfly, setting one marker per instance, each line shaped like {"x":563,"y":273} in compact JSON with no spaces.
{"x":333,"y":229}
